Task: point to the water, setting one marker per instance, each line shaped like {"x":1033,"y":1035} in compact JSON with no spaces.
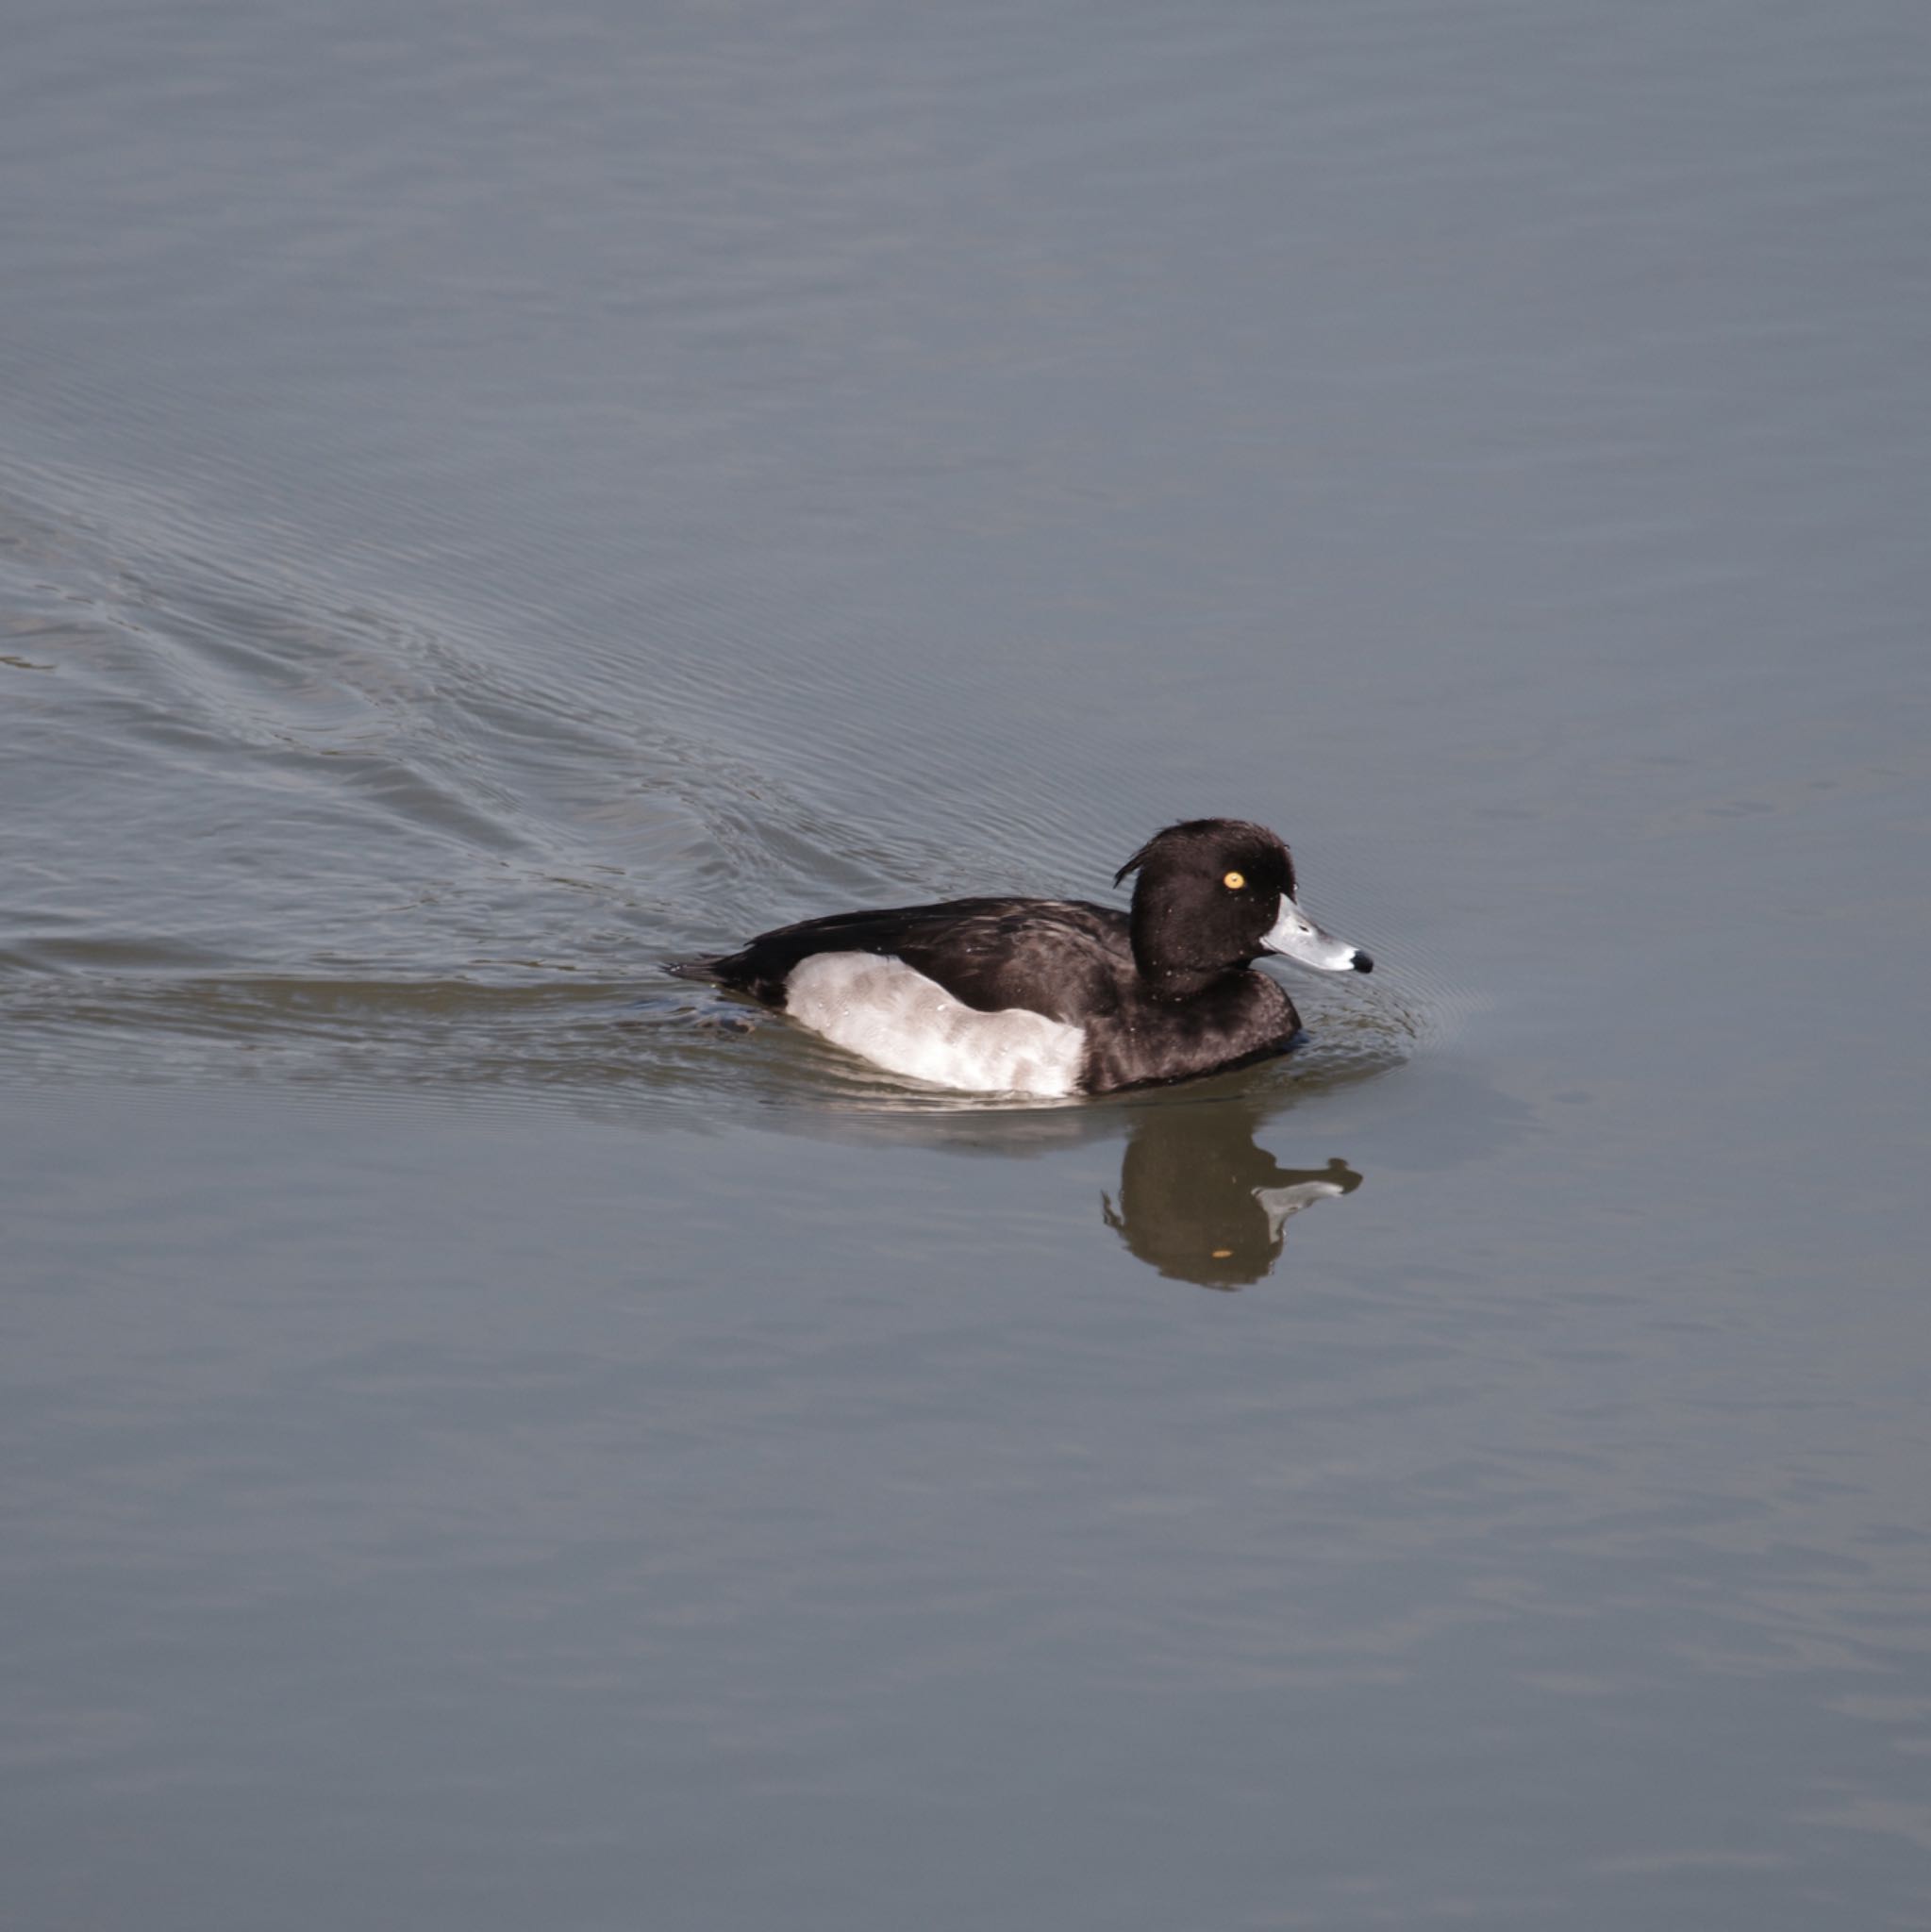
{"x":492,"y":499}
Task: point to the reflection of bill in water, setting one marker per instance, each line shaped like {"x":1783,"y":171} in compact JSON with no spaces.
{"x":1335,"y":1178}
{"x":1201,"y":1201}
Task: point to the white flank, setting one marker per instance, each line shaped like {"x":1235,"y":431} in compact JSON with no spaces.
{"x":897,"y":1018}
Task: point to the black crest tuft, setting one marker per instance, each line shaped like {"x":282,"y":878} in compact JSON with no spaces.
{"x":1207,"y":842}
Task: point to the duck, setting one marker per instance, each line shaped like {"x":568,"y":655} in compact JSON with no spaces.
{"x":1059,"y":997}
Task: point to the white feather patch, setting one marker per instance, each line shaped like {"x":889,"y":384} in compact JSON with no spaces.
{"x":897,"y":1018}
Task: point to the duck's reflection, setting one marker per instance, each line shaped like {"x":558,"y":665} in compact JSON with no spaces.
{"x":1201,"y":1200}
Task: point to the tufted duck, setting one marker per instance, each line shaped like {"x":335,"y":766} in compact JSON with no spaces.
{"x":1056,"y":996}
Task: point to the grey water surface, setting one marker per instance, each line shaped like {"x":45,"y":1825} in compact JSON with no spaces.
{"x":493,"y":497}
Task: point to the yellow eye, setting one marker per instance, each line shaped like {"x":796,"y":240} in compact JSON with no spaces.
{"x":1233,"y":881}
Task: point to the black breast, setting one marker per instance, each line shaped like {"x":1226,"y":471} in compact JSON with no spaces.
{"x":1241,"y":1017}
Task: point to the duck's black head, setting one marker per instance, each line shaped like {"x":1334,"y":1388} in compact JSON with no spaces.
{"x":1212,"y":895}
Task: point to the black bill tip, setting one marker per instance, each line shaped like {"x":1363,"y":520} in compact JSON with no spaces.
{"x":1362,"y":962}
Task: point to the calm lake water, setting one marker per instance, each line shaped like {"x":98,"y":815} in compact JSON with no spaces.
{"x":494,"y":496}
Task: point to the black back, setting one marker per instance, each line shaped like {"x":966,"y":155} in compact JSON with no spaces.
{"x":1058,"y":957}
